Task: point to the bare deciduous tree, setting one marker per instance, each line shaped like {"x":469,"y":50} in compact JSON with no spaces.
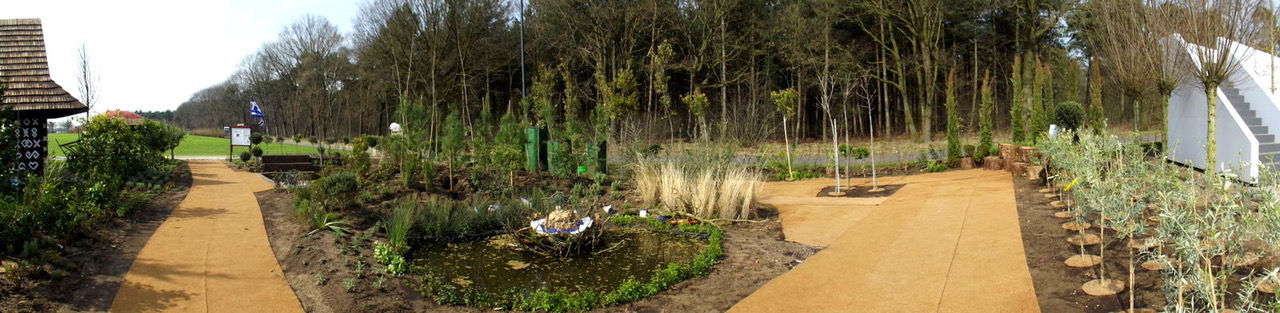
{"x":1216,"y":26}
{"x":88,"y":80}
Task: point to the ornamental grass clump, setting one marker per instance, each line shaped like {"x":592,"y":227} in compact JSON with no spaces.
{"x":400,"y":222}
{"x":702,"y":189}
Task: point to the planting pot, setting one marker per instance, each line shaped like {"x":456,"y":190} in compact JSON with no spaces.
{"x":1083,"y":261}
{"x":1076,"y":226}
{"x":1103,"y":287}
{"x":966,"y":163}
{"x":1084,"y":239}
{"x":1159,"y":264}
{"x":1268,"y":285}
{"x":1060,"y":204}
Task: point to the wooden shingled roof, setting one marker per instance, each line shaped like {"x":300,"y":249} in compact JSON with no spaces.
{"x":24,"y":72}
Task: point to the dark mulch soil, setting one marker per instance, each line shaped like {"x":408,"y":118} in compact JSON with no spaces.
{"x":1057,"y":285}
{"x":861,"y":192}
{"x":755,"y":253}
{"x":85,"y":273}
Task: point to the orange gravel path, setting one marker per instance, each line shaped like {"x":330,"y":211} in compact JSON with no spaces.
{"x":945,"y":242}
{"x":211,"y":254}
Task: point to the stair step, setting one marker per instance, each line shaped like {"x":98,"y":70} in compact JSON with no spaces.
{"x":1269,"y":158}
{"x":1270,"y":147}
{"x":1267,"y":138}
{"x":1258,"y":130}
{"x":1247,"y":114}
{"x":1253,"y":121}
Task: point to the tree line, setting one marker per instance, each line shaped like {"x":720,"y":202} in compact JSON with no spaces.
{"x":667,"y":69}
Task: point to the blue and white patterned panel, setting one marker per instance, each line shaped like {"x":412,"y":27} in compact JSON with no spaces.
{"x":33,"y":144}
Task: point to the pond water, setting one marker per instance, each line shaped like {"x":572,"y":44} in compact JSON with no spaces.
{"x":492,"y":265}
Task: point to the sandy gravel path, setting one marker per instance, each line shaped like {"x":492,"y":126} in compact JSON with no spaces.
{"x":945,"y":242}
{"x":211,"y":254}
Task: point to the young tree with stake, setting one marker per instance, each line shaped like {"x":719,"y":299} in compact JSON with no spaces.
{"x":786,"y":101}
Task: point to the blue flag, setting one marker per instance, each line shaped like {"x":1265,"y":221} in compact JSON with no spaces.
{"x":254,"y":110}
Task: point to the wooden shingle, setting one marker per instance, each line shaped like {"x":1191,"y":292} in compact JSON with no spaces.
{"x":24,"y":73}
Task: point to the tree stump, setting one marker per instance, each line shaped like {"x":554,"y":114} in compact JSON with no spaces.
{"x":992,"y":163}
{"x":1033,"y":172}
{"x":1008,"y":151}
{"x":1017,"y":168}
{"x":1027,"y":153}
{"x":966,"y":163}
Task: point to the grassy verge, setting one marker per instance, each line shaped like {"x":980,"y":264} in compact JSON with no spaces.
{"x":194,"y":146}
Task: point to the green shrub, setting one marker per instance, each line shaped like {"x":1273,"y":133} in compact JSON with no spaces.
{"x":935,"y":166}
{"x":337,"y":189}
{"x":854,"y":152}
{"x":372,"y":141}
{"x":245,"y":156}
{"x":255,"y":139}
{"x":257,"y":151}
{"x":1069,"y":115}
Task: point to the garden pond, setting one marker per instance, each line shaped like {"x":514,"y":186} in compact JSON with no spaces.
{"x":496,"y":265}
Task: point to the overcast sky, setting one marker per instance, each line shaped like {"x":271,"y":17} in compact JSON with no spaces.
{"x":152,"y":55}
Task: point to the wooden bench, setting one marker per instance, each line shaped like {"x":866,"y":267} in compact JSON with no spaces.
{"x":291,"y":162}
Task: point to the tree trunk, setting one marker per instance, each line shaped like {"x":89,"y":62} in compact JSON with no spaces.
{"x":724,"y":95}
{"x":1211,"y":142}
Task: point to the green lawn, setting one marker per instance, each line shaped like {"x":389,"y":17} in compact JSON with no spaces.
{"x":196,"y":146}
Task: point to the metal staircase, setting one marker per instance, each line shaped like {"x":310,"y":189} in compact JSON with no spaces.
{"x":1268,"y":148}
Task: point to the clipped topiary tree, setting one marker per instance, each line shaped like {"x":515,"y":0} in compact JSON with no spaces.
{"x":256,"y":151}
{"x":255,"y":139}
{"x":1069,"y":115}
